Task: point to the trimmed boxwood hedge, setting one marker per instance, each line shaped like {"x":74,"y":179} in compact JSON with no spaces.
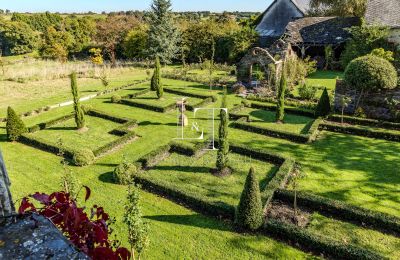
{"x":120,"y":141}
{"x":302,"y":104}
{"x":50,"y":123}
{"x":190,"y":94}
{"x":148,"y":106}
{"x":316,"y":243}
{"x":107,"y":116}
{"x":257,"y":154}
{"x":139,"y":93}
{"x":187,"y":149}
{"x":343,"y":211}
{"x":196,"y":202}
{"x":279,"y":181}
{"x":353,"y":130}
{"x":124,"y":129}
{"x":44,"y":145}
{"x":152,"y":158}
{"x":364,"y":122}
{"x":288,"y":109}
{"x":204,"y":102}
{"x":243,"y":124}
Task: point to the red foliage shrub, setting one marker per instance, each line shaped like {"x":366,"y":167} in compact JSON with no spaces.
{"x":89,"y":234}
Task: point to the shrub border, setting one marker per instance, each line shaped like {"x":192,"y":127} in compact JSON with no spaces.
{"x":123,"y":131}
{"x":148,"y":106}
{"x":243,"y":124}
{"x":288,"y":109}
{"x":343,"y":211}
{"x":305,"y":239}
{"x":353,"y":130}
{"x":364,"y":122}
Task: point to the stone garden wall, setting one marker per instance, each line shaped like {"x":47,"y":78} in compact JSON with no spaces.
{"x":374,"y":105}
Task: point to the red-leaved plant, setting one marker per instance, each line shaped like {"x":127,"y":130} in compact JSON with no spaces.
{"x":89,"y":234}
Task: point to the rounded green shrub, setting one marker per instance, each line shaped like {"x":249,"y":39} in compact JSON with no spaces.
{"x":370,"y":73}
{"x":83,"y":157}
{"x":15,"y":127}
{"x":116,"y":99}
{"x":124,"y":173}
{"x":249,"y":213}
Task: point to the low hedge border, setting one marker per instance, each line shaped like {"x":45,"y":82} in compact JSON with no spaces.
{"x":193,"y":201}
{"x":288,"y":109}
{"x":44,"y":145}
{"x":308,"y":240}
{"x":297,"y":103}
{"x":257,"y":154}
{"x":107,"y":116}
{"x":153,"y":158}
{"x":148,"y":106}
{"x":42,"y":126}
{"x":365,"y":122}
{"x":243,"y":124}
{"x":341,"y":210}
{"x":186,"y":149}
{"x":125,"y":128}
{"x":353,"y":130}
{"x":112,"y":145}
{"x":139,"y":93}
{"x":200,"y":104}
{"x":190,"y":94}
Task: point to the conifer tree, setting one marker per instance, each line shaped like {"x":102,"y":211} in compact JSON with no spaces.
{"x":15,"y":127}
{"x":249,"y":213}
{"x":324,"y":105}
{"x":79,"y":113}
{"x":280,"y":107}
{"x":137,"y":228}
{"x":163,"y":34}
{"x":223,"y":150}
{"x":156,"y":80}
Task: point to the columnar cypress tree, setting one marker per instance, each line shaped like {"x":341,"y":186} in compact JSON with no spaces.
{"x":324,"y":105}
{"x":249,"y":213}
{"x":223,"y":150}
{"x":280,"y":108}
{"x":15,"y":127}
{"x":156,"y":80}
{"x":163,"y":34}
{"x":79,"y":113}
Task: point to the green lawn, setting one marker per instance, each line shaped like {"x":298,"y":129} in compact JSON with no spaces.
{"x":98,"y":129}
{"x":292,"y":123}
{"x":193,"y":176}
{"x":322,"y":79}
{"x":348,"y":233}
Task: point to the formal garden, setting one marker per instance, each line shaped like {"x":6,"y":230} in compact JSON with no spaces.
{"x":182,"y":161}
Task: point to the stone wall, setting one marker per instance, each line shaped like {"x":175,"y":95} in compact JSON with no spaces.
{"x":374,"y":105}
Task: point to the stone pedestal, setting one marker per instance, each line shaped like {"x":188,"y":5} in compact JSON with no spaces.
{"x":183,"y":119}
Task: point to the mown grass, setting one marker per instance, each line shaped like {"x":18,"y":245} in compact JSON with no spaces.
{"x":322,"y":79}
{"x":348,"y":233}
{"x":193,"y":176}
{"x":292,"y":123}
{"x":357,"y":170}
{"x":98,"y":129}
{"x":166,"y":100}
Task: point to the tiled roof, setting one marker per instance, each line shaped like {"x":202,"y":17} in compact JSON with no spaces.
{"x":384,"y":12}
{"x":320,"y":30}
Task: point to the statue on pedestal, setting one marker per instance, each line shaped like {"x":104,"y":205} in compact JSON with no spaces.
{"x":183,"y":119}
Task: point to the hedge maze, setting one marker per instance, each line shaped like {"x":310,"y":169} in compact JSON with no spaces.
{"x":124,"y":133}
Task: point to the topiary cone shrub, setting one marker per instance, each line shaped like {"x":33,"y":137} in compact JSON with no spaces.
{"x":249,"y":213}
{"x":15,"y":126}
{"x":324,"y":104}
{"x":156,"y":79}
{"x":83,"y":157}
{"x":370,"y":73}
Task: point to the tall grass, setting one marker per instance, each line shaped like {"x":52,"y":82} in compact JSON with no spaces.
{"x":37,"y":70}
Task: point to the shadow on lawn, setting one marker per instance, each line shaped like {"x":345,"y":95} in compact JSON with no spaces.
{"x":60,"y":128}
{"x":194,"y":220}
{"x":107,"y":177}
{"x":191,"y":169}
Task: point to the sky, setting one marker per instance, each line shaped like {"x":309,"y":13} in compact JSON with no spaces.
{"x":124,"y":5}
